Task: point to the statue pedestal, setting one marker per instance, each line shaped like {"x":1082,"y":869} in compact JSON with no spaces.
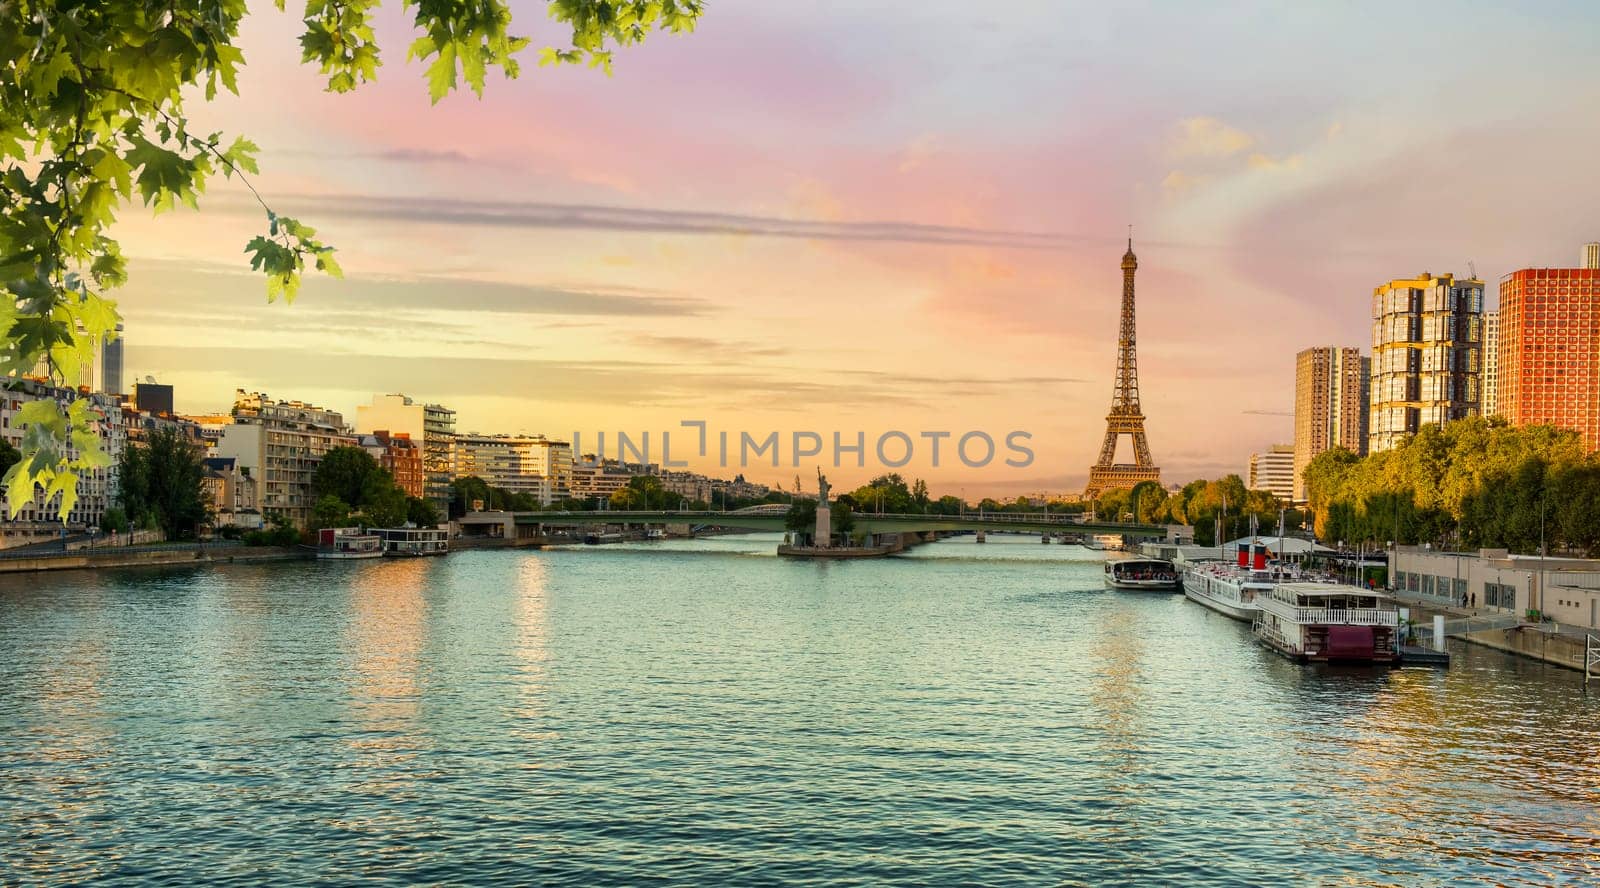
{"x":824,"y":534}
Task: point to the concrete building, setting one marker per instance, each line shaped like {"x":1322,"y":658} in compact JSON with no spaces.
{"x":1330,"y":406}
{"x":1273,"y":471}
{"x":1491,"y":363}
{"x":1549,"y":349}
{"x":400,"y":456}
{"x":520,"y":464}
{"x":97,"y":488}
{"x":211,"y":426}
{"x":692,"y":486}
{"x":595,"y":480}
{"x":279,"y":444}
{"x":1427,"y":342}
{"x":1565,"y":589}
{"x":430,"y":425}
{"x":110,"y":360}
{"x":230,"y":493}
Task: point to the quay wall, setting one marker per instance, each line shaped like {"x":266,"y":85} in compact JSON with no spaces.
{"x":151,"y":557}
{"x":1564,"y":649}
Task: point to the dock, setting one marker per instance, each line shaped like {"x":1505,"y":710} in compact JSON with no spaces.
{"x":1412,"y":655}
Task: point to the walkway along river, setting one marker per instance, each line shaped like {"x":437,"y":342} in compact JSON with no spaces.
{"x":704,"y":712}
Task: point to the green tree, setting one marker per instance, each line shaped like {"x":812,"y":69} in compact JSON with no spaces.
{"x":160,"y":484}
{"x":348,"y":474}
{"x":466,"y":491}
{"x":329,"y":511}
{"x":385,"y":505}
{"x":114,"y":520}
{"x":421,"y":512}
{"x":92,"y":116}
{"x":9,"y":456}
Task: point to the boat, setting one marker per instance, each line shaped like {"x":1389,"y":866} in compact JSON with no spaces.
{"x":1328,"y":623}
{"x":1231,"y":589}
{"x":413,"y":542}
{"x":1141,"y":575}
{"x":655,"y":533}
{"x":1225,"y":588}
{"x":342,"y":543}
{"x":1103,"y":542}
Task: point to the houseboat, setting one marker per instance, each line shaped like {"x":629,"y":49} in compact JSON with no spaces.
{"x":1141,"y":575}
{"x":1328,"y":622}
{"x":341,"y":543}
{"x":413,"y":542}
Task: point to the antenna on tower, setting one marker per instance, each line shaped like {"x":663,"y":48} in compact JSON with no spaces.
{"x":1472,"y":269}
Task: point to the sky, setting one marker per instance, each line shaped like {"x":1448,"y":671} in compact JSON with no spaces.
{"x":880,"y":216}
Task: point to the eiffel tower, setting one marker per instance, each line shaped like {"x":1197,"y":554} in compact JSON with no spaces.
{"x":1126,"y":417}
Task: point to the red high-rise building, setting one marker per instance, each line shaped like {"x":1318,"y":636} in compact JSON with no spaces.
{"x":1550,"y":349}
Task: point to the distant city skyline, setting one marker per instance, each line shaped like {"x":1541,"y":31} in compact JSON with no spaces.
{"x":874,"y":219}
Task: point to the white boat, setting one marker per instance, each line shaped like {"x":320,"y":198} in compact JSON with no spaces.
{"x":1102,"y":542}
{"x":1141,"y":575}
{"x":411,"y":542}
{"x":341,"y":543}
{"x":1328,"y":622}
{"x":1226,"y":588}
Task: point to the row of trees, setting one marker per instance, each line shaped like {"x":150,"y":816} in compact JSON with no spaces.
{"x":351,"y":488}
{"x":1474,"y":482}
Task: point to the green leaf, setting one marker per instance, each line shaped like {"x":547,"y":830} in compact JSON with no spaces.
{"x":19,"y":487}
{"x":442,"y":73}
{"x":64,"y":483}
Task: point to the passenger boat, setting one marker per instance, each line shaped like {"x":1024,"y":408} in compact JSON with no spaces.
{"x":1328,"y":622}
{"x":1141,"y":575}
{"x":413,"y":542}
{"x":1101,"y":542}
{"x":1231,"y":589}
{"x":1225,"y":588}
{"x":341,"y":543}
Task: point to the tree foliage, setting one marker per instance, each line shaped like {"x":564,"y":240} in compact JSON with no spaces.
{"x":161,"y":484}
{"x":351,"y":478}
{"x":92,"y":117}
{"x":1473,"y":482}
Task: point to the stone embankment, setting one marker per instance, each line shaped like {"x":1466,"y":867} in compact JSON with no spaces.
{"x":146,"y":556}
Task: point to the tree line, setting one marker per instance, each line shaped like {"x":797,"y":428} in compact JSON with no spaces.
{"x":1471,"y":483}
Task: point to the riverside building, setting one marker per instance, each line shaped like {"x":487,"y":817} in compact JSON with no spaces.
{"x":279,"y":444}
{"x":1330,"y":406}
{"x":521,"y":464}
{"x":1273,"y":471}
{"x":431,"y":426}
{"x":97,"y":488}
{"x":1427,"y":343}
{"x":1549,"y":349}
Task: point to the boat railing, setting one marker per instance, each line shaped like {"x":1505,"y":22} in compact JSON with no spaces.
{"x":1348,"y":616}
{"x":1271,"y":633}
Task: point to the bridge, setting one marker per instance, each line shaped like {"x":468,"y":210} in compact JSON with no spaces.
{"x":768,"y":519}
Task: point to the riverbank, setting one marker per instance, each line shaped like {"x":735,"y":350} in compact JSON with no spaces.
{"x":1545,"y":642}
{"x":147,"y":556}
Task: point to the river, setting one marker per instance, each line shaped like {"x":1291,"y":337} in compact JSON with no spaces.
{"x":703,"y":712}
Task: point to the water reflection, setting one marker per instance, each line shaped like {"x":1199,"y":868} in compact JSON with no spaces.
{"x":531,"y":647}
{"x":384,"y":638}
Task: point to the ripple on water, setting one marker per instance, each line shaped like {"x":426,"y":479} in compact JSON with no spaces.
{"x":705,"y":713}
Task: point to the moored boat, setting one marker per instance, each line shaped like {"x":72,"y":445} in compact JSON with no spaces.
{"x":1328,"y":622}
{"x":341,"y":543}
{"x":1141,"y":575}
{"x":1225,"y":588}
{"x":411,"y":542}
